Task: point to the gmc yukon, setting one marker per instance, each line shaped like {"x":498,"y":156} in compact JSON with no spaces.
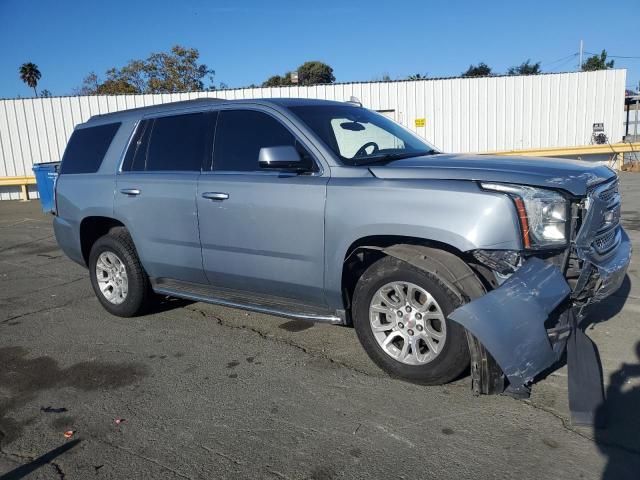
{"x":330,"y":212}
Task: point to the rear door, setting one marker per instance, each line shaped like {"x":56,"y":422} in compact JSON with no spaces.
{"x":262,"y":232}
{"x":156,"y":193}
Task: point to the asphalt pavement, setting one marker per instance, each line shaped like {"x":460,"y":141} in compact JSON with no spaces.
{"x":195,"y":391}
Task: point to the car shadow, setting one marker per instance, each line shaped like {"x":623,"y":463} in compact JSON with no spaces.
{"x":28,"y":468}
{"x":619,"y":440}
{"x":164,"y":304}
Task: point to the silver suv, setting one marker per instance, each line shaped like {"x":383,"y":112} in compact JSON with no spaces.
{"x":330,"y":212}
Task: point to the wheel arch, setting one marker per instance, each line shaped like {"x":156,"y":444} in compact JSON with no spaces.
{"x":91,"y":229}
{"x":454,"y":269}
{"x":429,"y":255}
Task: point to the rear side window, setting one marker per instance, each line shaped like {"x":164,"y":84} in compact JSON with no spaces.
{"x":240,"y":134}
{"x":86,"y":148}
{"x":173,"y":143}
{"x":136,"y":157}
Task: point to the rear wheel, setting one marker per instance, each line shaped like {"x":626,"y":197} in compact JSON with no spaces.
{"x":117,"y":277}
{"x":400,"y":316}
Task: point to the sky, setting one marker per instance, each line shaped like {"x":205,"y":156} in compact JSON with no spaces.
{"x":246,"y":42}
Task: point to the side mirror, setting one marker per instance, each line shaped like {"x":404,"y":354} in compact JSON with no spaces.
{"x":284,"y":157}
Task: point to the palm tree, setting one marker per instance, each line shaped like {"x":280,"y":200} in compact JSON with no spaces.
{"x":30,"y":75}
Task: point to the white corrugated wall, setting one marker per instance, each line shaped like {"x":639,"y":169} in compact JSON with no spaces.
{"x":461,"y":114}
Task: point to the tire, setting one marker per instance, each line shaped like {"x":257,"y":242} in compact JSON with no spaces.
{"x":117,"y":244}
{"x":451,"y":359}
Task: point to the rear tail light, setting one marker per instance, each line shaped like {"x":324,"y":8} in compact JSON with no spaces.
{"x":55,"y":196}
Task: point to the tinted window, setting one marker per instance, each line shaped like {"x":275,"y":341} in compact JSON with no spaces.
{"x":240,"y":134}
{"x":86,"y":148}
{"x":136,"y":157}
{"x":177,"y":143}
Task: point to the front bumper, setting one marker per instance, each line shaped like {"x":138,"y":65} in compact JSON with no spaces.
{"x":609,"y":273}
{"x":510,"y":320}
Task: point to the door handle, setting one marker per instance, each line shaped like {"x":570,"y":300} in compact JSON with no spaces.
{"x":130,"y":191}
{"x":215,"y":195}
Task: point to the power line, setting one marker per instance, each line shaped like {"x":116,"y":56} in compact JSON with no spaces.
{"x":546,"y":64}
{"x":562,"y":65}
{"x":615,"y":56}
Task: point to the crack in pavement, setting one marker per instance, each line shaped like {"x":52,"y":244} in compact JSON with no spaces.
{"x":59,"y":470}
{"x":48,"y":287}
{"x":223,"y":455}
{"x":315,"y":354}
{"x":142,"y":457}
{"x":24,"y":459}
{"x":46,"y":309}
{"x":568,"y":427}
{"x":35,"y":240}
{"x":311,"y":353}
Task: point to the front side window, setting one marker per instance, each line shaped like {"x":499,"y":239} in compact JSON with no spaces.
{"x":86,"y":148}
{"x":359,"y":136}
{"x":240,"y":134}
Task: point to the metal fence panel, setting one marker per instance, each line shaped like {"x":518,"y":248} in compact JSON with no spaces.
{"x":460,"y":114}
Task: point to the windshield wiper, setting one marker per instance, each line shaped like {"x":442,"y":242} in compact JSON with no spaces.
{"x":387,"y":157}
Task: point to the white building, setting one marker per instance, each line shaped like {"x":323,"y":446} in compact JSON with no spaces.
{"x":455,"y":114}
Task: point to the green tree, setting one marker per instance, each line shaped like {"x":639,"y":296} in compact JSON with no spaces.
{"x":525,"y":68}
{"x":278,"y":81}
{"x":89,"y":85}
{"x":116,"y":87}
{"x":175,"y":71}
{"x":314,"y":73}
{"x":417,"y":76}
{"x":309,"y":73}
{"x":597,"y":62}
{"x":30,"y":75}
{"x":45,"y":93}
{"x":480,"y":70}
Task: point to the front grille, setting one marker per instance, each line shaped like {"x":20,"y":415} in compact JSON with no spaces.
{"x":609,"y":193}
{"x":605,"y":237}
{"x":606,"y":241}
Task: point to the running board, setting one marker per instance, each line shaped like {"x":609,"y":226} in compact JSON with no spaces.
{"x":268,"y":306}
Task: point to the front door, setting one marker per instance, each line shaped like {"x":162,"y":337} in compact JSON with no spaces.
{"x":262,"y":232}
{"x":156,"y":194}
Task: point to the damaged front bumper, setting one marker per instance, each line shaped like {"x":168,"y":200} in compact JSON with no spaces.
{"x":513,"y":321}
{"x":510,"y":320}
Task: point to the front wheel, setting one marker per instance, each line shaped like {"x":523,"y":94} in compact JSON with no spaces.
{"x":117,"y":277}
{"x":400,"y":316}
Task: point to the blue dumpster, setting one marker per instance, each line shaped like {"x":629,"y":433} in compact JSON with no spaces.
{"x":46,"y":174}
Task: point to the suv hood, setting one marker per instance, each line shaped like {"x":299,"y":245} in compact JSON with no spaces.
{"x":574,"y":176}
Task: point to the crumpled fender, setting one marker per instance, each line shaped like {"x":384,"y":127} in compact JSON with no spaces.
{"x":509,"y":321}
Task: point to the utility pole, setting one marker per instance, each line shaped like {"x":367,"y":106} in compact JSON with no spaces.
{"x":581,"y":52}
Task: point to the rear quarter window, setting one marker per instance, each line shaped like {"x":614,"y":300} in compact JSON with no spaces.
{"x":86,"y":148}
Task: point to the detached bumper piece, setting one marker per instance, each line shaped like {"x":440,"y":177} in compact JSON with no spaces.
{"x":510,"y":321}
{"x":585,"y":375}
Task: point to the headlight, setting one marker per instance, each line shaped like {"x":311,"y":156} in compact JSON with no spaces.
{"x":542,"y":214}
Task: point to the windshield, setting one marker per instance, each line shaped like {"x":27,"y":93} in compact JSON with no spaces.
{"x":359,"y":136}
